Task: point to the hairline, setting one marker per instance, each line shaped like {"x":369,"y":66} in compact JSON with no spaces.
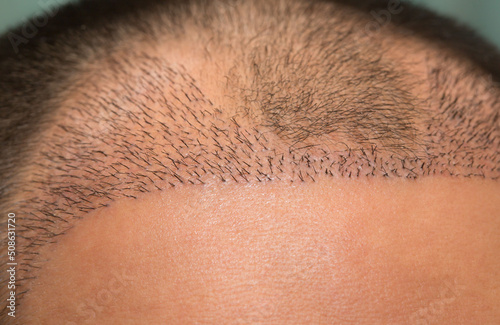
{"x":493,"y":75}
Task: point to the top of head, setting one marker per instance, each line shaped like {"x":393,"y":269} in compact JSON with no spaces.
{"x":110,"y":101}
{"x":134,"y":98}
{"x":165,"y":93}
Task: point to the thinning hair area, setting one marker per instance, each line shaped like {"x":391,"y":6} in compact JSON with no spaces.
{"x":113,"y":99}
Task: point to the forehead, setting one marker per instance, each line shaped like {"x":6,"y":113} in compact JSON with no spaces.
{"x":147,"y":121}
{"x":280,"y":253}
{"x":148,"y":115}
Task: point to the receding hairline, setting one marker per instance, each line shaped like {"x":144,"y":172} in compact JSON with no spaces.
{"x":78,"y":194}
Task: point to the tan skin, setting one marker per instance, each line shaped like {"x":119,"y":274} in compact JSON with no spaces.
{"x":335,"y":251}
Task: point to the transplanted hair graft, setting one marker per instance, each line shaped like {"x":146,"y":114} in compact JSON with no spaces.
{"x":116,"y":98}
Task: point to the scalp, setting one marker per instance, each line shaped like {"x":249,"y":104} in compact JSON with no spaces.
{"x":251,"y":92}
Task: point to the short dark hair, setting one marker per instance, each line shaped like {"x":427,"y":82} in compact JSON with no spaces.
{"x":312,"y":90}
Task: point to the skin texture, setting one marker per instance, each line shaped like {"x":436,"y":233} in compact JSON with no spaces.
{"x":274,"y":164}
{"x":336,"y":251}
{"x":324,"y":250}
{"x":289,"y":251}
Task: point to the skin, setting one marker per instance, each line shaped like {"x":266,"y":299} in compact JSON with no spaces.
{"x":335,"y":251}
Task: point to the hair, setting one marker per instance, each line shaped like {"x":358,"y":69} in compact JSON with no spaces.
{"x":105,"y":102}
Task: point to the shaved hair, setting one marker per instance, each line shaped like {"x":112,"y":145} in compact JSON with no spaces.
{"x":112,"y":99}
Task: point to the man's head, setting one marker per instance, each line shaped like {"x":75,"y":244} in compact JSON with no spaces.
{"x":252,"y":161}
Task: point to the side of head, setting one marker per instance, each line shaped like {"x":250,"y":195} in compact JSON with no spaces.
{"x":285,"y":155}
